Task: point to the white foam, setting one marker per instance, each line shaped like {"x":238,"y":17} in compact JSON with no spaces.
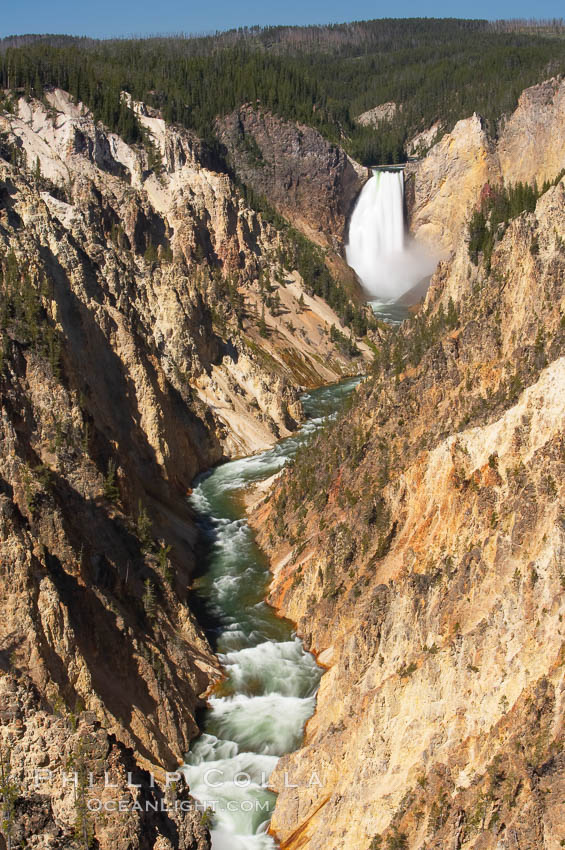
{"x":387,"y":263}
{"x":282,"y":668}
{"x":270,"y":724}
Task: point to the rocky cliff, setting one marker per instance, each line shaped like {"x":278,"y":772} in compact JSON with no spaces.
{"x":151,"y":324}
{"x":163,"y":212}
{"x":531,"y":142}
{"x":444,"y":186}
{"x":69,"y":777}
{"x":419,"y":547}
{"x":311,"y":181}
{"x":383,"y":112}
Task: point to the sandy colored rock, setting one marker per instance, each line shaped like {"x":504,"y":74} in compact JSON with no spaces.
{"x":383,"y":112}
{"x":447,"y":183}
{"x":445,"y":186}
{"x":136,"y":364}
{"x":426,"y":570}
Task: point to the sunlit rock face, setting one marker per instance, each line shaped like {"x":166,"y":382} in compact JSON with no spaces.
{"x":428,"y":575}
{"x":130,"y":373}
{"x":443,"y":187}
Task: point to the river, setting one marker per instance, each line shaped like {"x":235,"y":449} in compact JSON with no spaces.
{"x":258,"y":712}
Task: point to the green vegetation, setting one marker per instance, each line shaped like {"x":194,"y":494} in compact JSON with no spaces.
{"x":316,"y":472}
{"x":298,"y":252}
{"x":322,"y":76}
{"x":23,"y":317}
{"x":225,"y":297}
{"x":397,"y":841}
{"x":345,"y":343}
{"x":262,"y":324}
{"x":406,"y":671}
{"x":400,"y":350}
{"x":499,"y":205}
{"x":308,"y":259}
{"x":111,"y":491}
{"x":143,"y":527}
{"x":9,"y":792}
{"x":150,"y":254}
{"x":84,"y":829}
{"x":149,"y":600}
{"x":326,"y":469}
{"x":164,"y":563}
{"x":9,"y":150}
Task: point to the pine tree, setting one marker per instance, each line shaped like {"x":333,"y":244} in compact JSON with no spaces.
{"x":111,"y":491}
{"x":144,"y":527}
{"x":10,"y":793}
{"x":262,"y":323}
{"x":165,"y":566}
{"x":452,"y":318}
{"x":149,"y":600}
{"x":150,"y":255}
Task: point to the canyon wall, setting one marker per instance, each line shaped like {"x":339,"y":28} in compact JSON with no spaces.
{"x":419,"y":546}
{"x":162,"y":211}
{"x":444,"y":186}
{"x":309,"y":180}
{"x":152,"y":324}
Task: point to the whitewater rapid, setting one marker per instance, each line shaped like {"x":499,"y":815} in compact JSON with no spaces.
{"x":258,"y":712}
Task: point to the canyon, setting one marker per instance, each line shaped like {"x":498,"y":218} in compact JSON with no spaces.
{"x":447,"y":182}
{"x":135,"y":355}
{"x":419,"y":547}
{"x":160,"y":322}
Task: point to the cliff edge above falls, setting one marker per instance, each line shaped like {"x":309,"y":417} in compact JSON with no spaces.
{"x":311,"y":181}
{"x":529,"y":145}
{"x":419,"y":546}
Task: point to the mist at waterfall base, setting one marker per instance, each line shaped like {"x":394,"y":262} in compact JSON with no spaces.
{"x":390,"y":265}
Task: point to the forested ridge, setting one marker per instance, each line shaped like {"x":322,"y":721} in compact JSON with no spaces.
{"x":322,"y":76}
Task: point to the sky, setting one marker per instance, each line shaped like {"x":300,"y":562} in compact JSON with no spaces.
{"x":106,"y":18}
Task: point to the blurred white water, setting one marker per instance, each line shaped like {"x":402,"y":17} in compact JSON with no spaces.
{"x":268,"y":693}
{"x":387,"y":261}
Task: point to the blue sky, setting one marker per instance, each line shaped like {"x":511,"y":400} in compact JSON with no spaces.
{"x":142,"y":17}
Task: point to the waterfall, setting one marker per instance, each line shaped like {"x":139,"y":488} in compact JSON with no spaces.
{"x":387,"y":263}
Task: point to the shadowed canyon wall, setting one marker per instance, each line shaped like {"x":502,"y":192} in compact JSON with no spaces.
{"x":142,"y":342}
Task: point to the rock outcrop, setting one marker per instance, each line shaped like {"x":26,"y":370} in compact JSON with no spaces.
{"x":72,"y":785}
{"x":445,"y":186}
{"x":419,"y":144}
{"x":425,"y":568}
{"x":309,"y":180}
{"x":442,"y":188}
{"x":531,"y":144}
{"x":383,"y":112}
{"x":151,"y":324}
{"x":182,"y":228}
